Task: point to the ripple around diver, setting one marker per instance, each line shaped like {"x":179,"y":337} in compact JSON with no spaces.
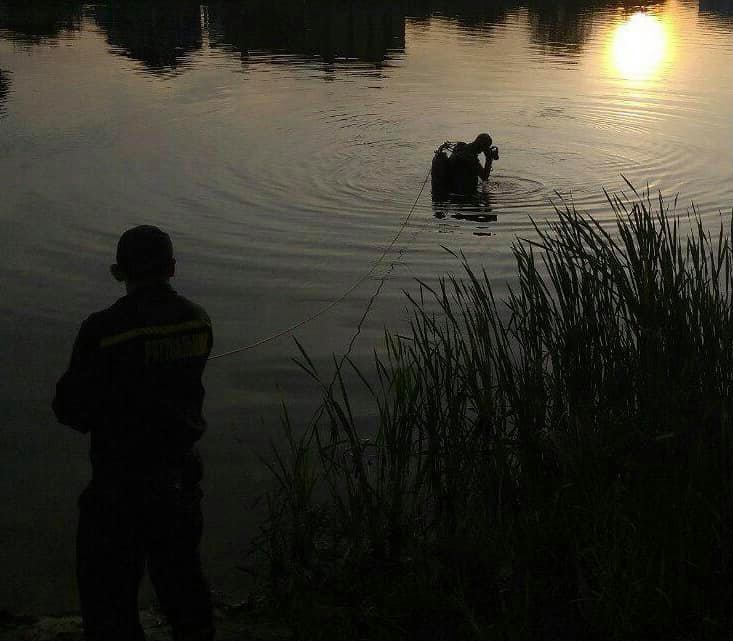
{"x":507,"y":190}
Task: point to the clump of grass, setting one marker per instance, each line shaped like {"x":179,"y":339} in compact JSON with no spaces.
{"x":553,"y":466}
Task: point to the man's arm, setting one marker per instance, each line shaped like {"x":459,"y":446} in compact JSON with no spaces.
{"x":78,"y":393}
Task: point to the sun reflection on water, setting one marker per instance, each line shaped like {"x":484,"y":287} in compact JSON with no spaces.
{"x":639,"y":47}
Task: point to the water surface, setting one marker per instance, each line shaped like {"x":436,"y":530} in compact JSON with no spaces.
{"x":282,"y":147}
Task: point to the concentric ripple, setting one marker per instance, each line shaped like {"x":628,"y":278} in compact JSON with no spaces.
{"x":507,"y":191}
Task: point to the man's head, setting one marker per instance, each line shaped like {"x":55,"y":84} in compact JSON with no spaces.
{"x":144,"y":254}
{"x":483,"y":142}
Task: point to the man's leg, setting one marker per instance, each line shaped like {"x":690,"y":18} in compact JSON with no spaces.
{"x":174,"y":564}
{"x":110,"y":564}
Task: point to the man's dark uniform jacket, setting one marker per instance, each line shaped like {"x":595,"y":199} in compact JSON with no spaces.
{"x":134,"y":382}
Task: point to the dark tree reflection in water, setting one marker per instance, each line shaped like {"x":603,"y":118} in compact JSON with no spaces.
{"x":371,"y":33}
{"x":4,"y":90}
{"x":718,"y":13}
{"x":473,"y":15}
{"x":40,"y":22}
{"x":160,"y":34}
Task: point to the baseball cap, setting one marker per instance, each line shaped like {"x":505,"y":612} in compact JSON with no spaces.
{"x":143,"y":251}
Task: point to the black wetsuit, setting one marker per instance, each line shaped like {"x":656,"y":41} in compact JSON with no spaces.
{"x":464,"y":169}
{"x":134,"y":383}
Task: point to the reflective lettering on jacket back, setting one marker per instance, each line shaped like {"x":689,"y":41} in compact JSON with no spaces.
{"x":173,"y":348}
{"x":162,"y":344}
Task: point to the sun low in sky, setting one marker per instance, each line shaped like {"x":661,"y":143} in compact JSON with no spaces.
{"x":639,"y":46}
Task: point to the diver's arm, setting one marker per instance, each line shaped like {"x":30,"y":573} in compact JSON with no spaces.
{"x":486,"y":169}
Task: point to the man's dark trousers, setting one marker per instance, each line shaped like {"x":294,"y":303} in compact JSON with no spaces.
{"x":123,"y":528}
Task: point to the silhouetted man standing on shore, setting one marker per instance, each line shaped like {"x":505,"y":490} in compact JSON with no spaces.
{"x":134,"y":383}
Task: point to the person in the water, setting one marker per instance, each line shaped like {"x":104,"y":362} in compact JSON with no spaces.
{"x":460,"y":172}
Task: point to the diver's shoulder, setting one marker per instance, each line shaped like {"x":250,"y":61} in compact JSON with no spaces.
{"x":462,"y":150}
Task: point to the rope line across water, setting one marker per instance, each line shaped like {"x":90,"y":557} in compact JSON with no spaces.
{"x":335,"y":302}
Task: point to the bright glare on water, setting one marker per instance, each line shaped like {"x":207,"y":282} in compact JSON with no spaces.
{"x":282,"y":146}
{"x":640,"y":46}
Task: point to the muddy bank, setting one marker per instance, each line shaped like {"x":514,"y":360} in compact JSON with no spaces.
{"x":234,"y":622}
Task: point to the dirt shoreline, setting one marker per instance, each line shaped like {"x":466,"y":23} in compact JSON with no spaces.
{"x":234,"y":622}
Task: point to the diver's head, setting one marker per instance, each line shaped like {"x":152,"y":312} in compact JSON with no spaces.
{"x":483,"y":143}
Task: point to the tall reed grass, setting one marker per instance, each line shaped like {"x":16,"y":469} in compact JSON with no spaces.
{"x":556,"y":465}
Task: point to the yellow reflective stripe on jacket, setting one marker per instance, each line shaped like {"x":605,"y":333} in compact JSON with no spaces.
{"x":153,"y":330}
{"x":173,"y":348}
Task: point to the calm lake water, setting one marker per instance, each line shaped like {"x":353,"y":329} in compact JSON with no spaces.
{"x":282,"y":145}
